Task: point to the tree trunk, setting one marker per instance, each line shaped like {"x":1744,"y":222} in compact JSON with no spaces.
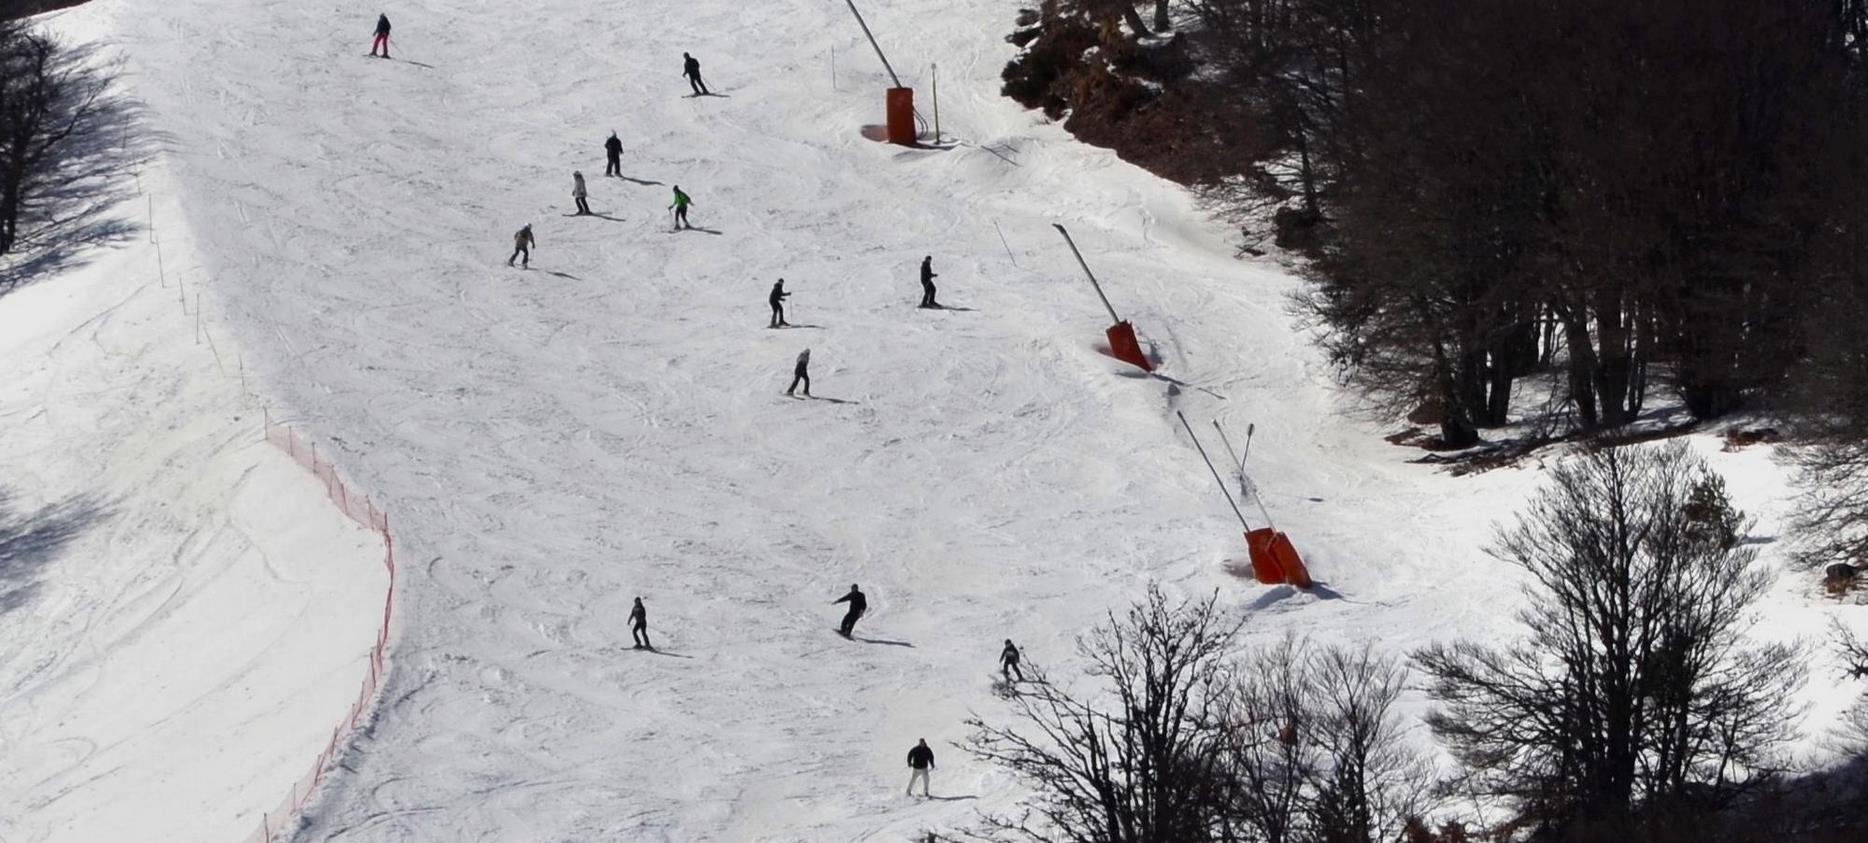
{"x":1456,"y":428}
{"x":1162,"y":24}
{"x":1133,"y":19}
{"x":1582,"y":363}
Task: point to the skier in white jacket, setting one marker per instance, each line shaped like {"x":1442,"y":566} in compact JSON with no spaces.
{"x":580,"y":193}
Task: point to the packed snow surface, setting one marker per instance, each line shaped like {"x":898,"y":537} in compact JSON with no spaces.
{"x":183,"y":613}
{"x":610,"y":423}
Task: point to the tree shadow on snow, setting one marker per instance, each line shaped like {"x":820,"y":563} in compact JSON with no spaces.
{"x":29,"y":543}
{"x":80,"y":199}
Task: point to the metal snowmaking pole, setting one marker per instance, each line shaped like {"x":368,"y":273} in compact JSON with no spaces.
{"x":1209,"y":467}
{"x":1099,"y":291}
{"x":1247,"y":488}
{"x":872,"y":42}
{"x":1238,"y":460}
{"x":934,"y":77}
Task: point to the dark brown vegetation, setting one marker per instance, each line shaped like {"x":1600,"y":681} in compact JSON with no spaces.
{"x":10,"y":9}
{"x":1139,"y":96}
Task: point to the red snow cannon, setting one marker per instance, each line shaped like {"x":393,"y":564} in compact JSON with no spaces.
{"x":1125,"y":347}
{"x":1274,"y":558}
{"x":902,"y":116}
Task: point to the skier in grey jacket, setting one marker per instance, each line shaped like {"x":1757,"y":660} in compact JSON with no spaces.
{"x":580,"y":193}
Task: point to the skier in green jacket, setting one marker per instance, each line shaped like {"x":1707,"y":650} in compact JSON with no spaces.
{"x":681,"y":208}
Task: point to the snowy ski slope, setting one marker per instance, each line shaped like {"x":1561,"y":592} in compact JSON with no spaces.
{"x":609,"y":424}
{"x":183,"y":614}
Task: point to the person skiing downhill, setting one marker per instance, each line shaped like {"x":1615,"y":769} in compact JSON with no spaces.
{"x":927,"y":282}
{"x":690,"y":67}
{"x":680,"y":207}
{"x":1008,"y":662}
{"x":921,"y":760}
{"x":639,"y":626}
{"x":522,"y":243}
{"x":613,"y":156}
{"x":859,"y":606}
{"x":382,"y":36}
{"x":801,"y":373}
{"x":580,"y":193}
{"x":777,"y":299}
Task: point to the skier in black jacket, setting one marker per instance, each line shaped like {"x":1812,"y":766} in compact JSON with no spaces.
{"x":1008,"y":661}
{"x":777,"y":299}
{"x":382,"y":36}
{"x":859,"y":606}
{"x":690,"y":67}
{"x":921,"y":760}
{"x":639,"y":626}
{"x":801,"y":373}
{"x":613,"y":153}
{"x":927,"y":282}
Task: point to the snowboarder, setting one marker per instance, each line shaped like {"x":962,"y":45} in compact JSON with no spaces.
{"x":921,"y":760}
{"x":927,"y":282}
{"x":1008,"y":662}
{"x":801,"y":373}
{"x":639,"y":626}
{"x":690,"y":67}
{"x":522,"y":243}
{"x":580,"y":193}
{"x":859,"y":606}
{"x":680,"y":207}
{"x":382,"y":36}
{"x":777,"y":299}
{"x":613,"y":154}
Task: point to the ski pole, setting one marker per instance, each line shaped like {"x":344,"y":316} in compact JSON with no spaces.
{"x":1209,"y":467}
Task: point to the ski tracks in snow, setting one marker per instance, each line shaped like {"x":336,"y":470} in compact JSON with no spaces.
{"x":610,"y":423}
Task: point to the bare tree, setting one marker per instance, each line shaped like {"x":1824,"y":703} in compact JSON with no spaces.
{"x":1272,"y":756}
{"x":1315,"y":749}
{"x":1136,"y":761}
{"x":1634,"y":687}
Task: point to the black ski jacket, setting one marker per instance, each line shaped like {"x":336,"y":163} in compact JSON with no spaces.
{"x":613,"y":146}
{"x":859,"y":605}
{"x":920,"y":757}
{"x":382,"y":24}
